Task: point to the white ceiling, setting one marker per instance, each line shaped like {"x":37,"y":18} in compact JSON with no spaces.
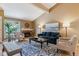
{"x":25,"y":11}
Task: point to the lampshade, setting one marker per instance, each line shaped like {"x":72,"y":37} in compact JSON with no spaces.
{"x":66,"y":24}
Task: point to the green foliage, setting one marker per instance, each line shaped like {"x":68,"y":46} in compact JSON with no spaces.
{"x":10,"y":29}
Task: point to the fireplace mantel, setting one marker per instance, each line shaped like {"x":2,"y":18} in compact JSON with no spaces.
{"x":28,"y":29}
{"x":27,"y":32}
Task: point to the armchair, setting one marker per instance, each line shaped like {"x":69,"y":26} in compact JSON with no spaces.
{"x":19,"y":36}
{"x":67,"y":45}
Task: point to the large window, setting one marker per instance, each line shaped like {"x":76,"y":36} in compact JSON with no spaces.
{"x":11,"y":25}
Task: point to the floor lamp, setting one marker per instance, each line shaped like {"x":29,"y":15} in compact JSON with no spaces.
{"x":39,"y":28}
{"x":66,"y":26}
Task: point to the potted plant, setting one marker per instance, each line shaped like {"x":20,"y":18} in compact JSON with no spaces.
{"x":10,"y":29}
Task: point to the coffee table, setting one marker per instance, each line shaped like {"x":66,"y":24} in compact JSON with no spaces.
{"x":39,"y":40}
{"x":11,"y":48}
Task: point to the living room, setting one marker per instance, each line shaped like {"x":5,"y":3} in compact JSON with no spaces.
{"x":28,"y":27}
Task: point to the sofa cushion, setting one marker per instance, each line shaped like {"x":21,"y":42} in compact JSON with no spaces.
{"x":52,"y":40}
{"x":48,"y":33}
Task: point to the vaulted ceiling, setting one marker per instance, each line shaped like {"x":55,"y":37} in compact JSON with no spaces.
{"x":26,"y":11}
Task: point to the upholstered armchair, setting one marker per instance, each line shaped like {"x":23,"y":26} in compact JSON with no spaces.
{"x":19,"y":36}
{"x":67,"y":45}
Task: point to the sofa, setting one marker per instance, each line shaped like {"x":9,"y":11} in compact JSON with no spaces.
{"x":51,"y":36}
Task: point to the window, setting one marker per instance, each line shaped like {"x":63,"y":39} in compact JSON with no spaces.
{"x":15,"y":24}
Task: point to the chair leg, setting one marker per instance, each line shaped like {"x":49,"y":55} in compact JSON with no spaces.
{"x":2,"y":51}
{"x":20,"y":53}
{"x":73,"y":53}
{"x":47,"y":43}
{"x":57,"y":50}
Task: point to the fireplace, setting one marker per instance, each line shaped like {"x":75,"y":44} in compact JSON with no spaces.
{"x":27,"y":32}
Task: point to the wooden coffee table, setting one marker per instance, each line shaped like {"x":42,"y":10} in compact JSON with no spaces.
{"x":39,"y":40}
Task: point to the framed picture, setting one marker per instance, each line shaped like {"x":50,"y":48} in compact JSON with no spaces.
{"x":52,"y":27}
{"x":27,"y":25}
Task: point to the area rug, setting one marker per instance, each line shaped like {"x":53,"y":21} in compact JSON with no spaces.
{"x":30,"y":50}
{"x":34,"y":49}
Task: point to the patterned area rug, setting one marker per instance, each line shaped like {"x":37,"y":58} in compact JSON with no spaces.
{"x":29,"y":50}
{"x":34,"y":49}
